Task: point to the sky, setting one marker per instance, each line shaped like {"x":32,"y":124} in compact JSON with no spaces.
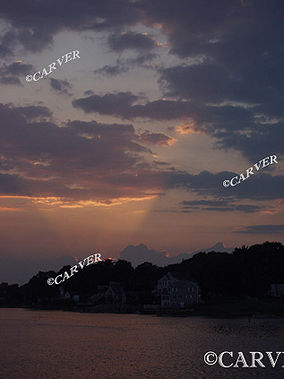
{"x":130,"y":143}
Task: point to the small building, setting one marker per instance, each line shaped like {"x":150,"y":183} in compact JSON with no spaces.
{"x":112,"y":293}
{"x":115,"y":294}
{"x":64,"y":294}
{"x":276,"y":290}
{"x":67,"y":295}
{"x":175,"y":291}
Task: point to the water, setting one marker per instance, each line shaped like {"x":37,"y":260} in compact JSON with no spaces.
{"x":56,"y":344}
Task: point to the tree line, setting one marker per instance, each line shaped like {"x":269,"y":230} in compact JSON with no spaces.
{"x":248,"y":271}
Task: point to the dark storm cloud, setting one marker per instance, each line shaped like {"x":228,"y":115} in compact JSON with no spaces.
{"x":236,"y":48}
{"x":30,"y":112}
{"x":165,"y":110}
{"x":10,"y":80}
{"x":232,"y":126}
{"x":95,"y":161}
{"x":7,"y":42}
{"x":264,"y":187}
{"x":9,"y":74}
{"x":89,"y":140}
{"x":247,"y":208}
{"x":155,"y":138}
{"x":213,"y":82}
{"x":113,"y":70}
{"x":238,"y":52}
{"x":16,"y":185}
{"x":253,"y":143}
{"x":188,"y":204}
{"x":262,"y":229}
{"x":74,"y":161}
{"x":125,"y":65}
{"x":218,"y":206}
{"x":192,"y":27}
{"x":141,"y":59}
{"x":60,"y":86}
{"x":122,"y":105}
{"x":259,"y":187}
{"x":16,"y":68}
{"x":228,"y":31}
{"x":233,"y":91}
{"x":115,"y":104}
{"x":200,"y":82}
{"x":4,"y":51}
{"x":35,"y":24}
{"x":11,"y":184}
{"x":251,"y":123}
{"x":131,"y":41}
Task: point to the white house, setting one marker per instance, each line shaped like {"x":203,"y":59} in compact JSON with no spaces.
{"x":110,"y":294}
{"x":177,"y":292}
{"x":276,"y":290}
{"x":66,"y":295}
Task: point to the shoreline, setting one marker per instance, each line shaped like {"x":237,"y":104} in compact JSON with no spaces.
{"x":212,"y":312}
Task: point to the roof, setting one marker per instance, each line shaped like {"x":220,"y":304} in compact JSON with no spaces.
{"x":181,"y":278}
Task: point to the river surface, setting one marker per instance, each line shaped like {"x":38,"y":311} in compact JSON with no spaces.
{"x":57,"y":344}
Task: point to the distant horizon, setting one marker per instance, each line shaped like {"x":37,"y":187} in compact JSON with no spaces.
{"x":18,"y":271}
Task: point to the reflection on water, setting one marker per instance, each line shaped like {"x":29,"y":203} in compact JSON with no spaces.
{"x":55,"y":344}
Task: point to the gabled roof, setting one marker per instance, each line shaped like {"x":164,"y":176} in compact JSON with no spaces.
{"x":179,"y":279}
{"x":176,"y":275}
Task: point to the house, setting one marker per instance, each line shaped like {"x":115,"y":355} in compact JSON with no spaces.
{"x":115,"y":294}
{"x":175,"y":291}
{"x":277,"y":290}
{"x":66,"y":295}
{"x":112,"y":293}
